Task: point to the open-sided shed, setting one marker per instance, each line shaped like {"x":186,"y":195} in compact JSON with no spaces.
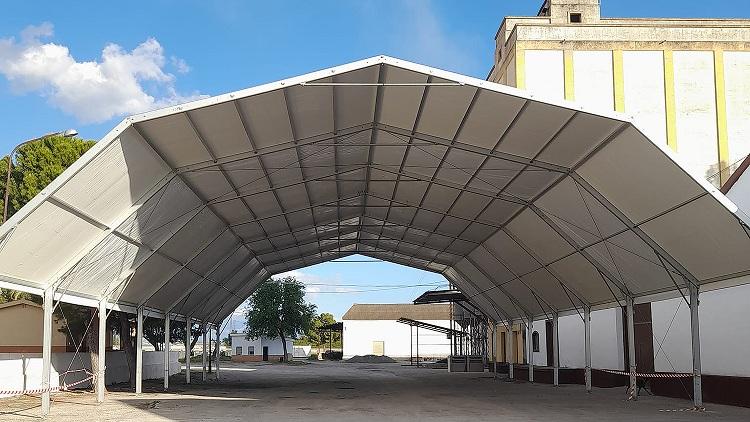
{"x":531,"y":208}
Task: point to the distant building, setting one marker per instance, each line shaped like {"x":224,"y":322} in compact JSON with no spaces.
{"x":21,"y":328}
{"x":257,"y":350}
{"x":372,"y":329}
{"x":685,"y":81}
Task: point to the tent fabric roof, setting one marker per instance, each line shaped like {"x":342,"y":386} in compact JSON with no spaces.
{"x":527,"y":206}
{"x":395,"y":311}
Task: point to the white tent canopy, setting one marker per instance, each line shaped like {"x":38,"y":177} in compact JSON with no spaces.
{"x":529,"y":207}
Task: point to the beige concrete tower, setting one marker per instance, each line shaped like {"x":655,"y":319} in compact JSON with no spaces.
{"x":685,"y":81}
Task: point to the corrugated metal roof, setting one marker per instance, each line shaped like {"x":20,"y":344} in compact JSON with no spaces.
{"x":394,"y":311}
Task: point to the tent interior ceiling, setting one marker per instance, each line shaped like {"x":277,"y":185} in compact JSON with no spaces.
{"x":527,"y":207}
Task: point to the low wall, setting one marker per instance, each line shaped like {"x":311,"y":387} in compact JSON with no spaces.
{"x":23,"y":371}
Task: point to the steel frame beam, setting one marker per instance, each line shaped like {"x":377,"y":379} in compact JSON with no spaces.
{"x":139,"y":351}
{"x":373,"y":138}
{"x":418,"y":116}
{"x":186,"y":182}
{"x":200,"y":280}
{"x":587,"y":346}
{"x":194,"y":310}
{"x":635,"y":228}
{"x":695,"y":343}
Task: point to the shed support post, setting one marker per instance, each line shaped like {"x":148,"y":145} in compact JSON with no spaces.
{"x":696,"y":345}
{"x":188,"y":351}
{"x":47,"y":350}
{"x":166,"y":351}
{"x":511,"y":352}
{"x":494,"y":349}
{"x":530,"y":347}
{"x":631,"y":347}
{"x":587,"y":339}
{"x":555,"y":349}
{"x":205,"y":374}
{"x":139,"y":351}
{"x":102,"y":351}
{"x":218,"y":352}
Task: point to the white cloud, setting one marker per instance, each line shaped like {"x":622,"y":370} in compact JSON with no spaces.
{"x":120,"y":83}
{"x":180,"y":64}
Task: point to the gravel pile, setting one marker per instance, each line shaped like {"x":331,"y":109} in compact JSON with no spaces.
{"x":370,"y":359}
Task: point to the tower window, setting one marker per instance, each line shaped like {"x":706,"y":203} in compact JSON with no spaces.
{"x":575,"y":18}
{"x":535,"y":341}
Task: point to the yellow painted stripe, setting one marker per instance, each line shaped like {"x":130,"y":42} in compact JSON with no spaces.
{"x":570,"y":93}
{"x":520,"y":68}
{"x":669,"y":99}
{"x":721,"y":115}
{"x":619,"y":80}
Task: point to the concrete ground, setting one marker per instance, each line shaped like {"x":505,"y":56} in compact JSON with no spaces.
{"x":338,"y":391}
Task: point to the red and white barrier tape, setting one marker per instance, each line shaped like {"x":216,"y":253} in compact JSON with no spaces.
{"x":645,"y":375}
{"x":64,"y":387}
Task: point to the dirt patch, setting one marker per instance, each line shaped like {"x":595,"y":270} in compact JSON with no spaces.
{"x":370,"y":359}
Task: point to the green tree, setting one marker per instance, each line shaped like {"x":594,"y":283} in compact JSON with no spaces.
{"x":317,"y":337}
{"x":278,"y":309}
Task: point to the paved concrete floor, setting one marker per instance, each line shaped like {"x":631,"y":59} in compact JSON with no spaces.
{"x":337,"y":391}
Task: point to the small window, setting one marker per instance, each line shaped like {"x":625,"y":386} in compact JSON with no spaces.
{"x":575,"y":18}
{"x":250,"y":350}
{"x":535,"y":341}
{"x":238,"y":351}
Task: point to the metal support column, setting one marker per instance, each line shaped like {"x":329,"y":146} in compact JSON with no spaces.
{"x":494,"y":349}
{"x":47,"y":350}
{"x":530,"y":347}
{"x":102,"y":351}
{"x":218,"y":352}
{"x":139,"y":351}
{"x":205,"y":374}
{"x":417,"y":346}
{"x":411,"y":345}
{"x":511,"y":353}
{"x":166,"y":351}
{"x":555,"y":349}
{"x":188,"y":341}
{"x":631,"y":347}
{"x":587,"y":347}
{"x":696,"y":345}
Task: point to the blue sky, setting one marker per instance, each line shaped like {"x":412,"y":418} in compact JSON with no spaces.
{"x":88,"y":64}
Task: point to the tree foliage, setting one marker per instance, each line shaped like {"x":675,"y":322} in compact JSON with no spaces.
{"x":37,"y":164}
{"x":278,"y":309}
{"x":320,"y":338}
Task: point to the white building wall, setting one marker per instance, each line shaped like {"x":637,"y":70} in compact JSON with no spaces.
{"x":275,"y":347}
{"x":607,"y":351}
{"x":737,"y":86}
{"x":592,"y":79}
{"x":695,"y":105}
{"x":23,"y":371}
{"x":359,"y":336}
{"x":544,"y":74}
{"x":643,"y":83}
{"x":725,"y":338}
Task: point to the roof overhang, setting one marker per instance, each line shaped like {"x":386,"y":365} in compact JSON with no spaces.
{"x":528,"y":206}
